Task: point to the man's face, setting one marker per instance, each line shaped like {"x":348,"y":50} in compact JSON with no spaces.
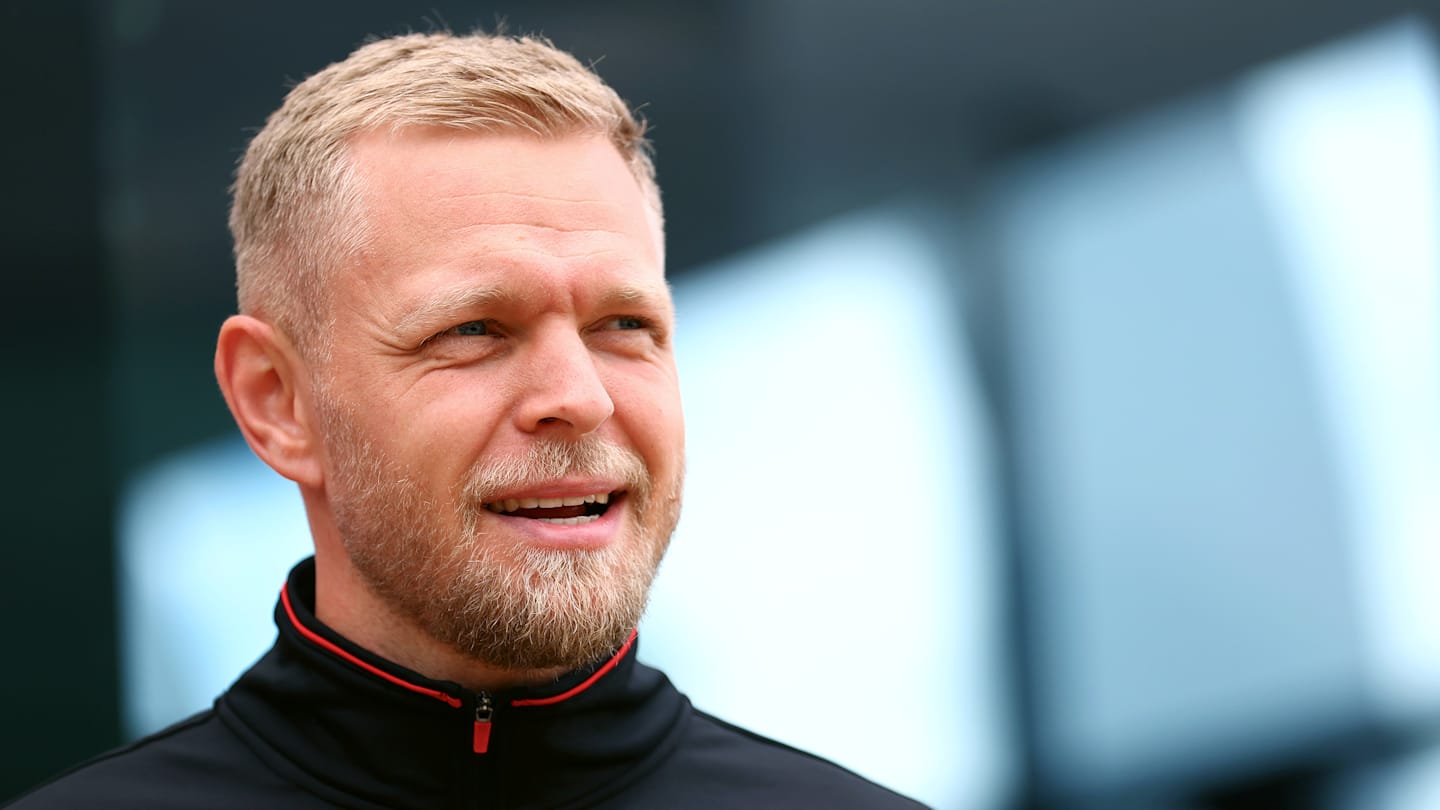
{"x":501,"y":409}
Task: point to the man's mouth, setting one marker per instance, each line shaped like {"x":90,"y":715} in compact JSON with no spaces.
{"x":568,"y":511}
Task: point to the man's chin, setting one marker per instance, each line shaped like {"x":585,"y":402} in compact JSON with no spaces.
{"x":542,"y":655}
{"x":539,"y":607}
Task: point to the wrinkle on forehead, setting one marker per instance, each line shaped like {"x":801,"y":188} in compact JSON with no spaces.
{"x":465,"y":205}
{"x":518,"y":208}
{"x":507,"y":220}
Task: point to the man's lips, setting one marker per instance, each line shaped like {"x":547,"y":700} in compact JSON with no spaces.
{"x":568,"y":510}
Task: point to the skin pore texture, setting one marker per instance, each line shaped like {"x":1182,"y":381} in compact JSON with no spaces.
{"x":491,"y":458}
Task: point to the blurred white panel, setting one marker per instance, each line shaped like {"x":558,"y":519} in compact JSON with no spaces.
{"x":833,"y":581}
{"x":1344,"y":142}
{"x":205,"y":541}
{"x":1194,"y":598}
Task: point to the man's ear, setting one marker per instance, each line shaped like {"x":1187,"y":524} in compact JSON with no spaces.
{"x":261,"y":373}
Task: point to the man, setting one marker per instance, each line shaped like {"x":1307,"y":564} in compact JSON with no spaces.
{"x":456,"y":339}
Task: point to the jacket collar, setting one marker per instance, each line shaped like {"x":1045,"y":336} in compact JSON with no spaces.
{"x":349,"y":725}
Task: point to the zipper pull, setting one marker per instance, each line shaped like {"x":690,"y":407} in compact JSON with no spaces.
{"x":484,"y":711}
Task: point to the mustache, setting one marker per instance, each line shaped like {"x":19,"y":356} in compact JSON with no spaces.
{"x":550,"y":459}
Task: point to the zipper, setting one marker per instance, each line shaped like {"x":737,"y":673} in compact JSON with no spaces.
{"x":484,"y":713}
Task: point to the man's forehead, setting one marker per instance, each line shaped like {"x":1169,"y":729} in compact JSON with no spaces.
{"x":432,"y":177}
{"x":505,"y":161}
{"x":461,"y":221}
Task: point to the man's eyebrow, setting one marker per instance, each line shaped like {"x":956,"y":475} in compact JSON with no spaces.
{"x":436,"y":309}
{"x":657,"y":296}
{"x":433,"y":310}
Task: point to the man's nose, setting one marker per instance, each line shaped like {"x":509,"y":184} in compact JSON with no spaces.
{"x":565,"y":391}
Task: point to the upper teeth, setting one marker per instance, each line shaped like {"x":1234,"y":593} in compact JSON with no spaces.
{"x":511,"y":504}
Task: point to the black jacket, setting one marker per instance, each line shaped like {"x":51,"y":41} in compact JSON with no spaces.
{"x":321,"y":723}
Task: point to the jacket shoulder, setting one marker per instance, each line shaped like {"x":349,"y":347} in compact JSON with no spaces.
{"x":721,"y":765}
{"x":194,"y":763}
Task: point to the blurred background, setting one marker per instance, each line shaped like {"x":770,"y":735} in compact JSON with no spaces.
{"x":1062,"y":381}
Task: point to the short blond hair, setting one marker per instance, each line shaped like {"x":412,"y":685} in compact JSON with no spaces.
{"x":296,"y":214}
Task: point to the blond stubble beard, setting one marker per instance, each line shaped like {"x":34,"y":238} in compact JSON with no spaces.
{"x":497,"y":600}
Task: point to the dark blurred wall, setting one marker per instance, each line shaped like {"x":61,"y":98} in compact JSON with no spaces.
{"x":58,"y":682}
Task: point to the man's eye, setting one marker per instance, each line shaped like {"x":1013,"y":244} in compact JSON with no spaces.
{"x":472,"y":328}
{"x":629,"y":322}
